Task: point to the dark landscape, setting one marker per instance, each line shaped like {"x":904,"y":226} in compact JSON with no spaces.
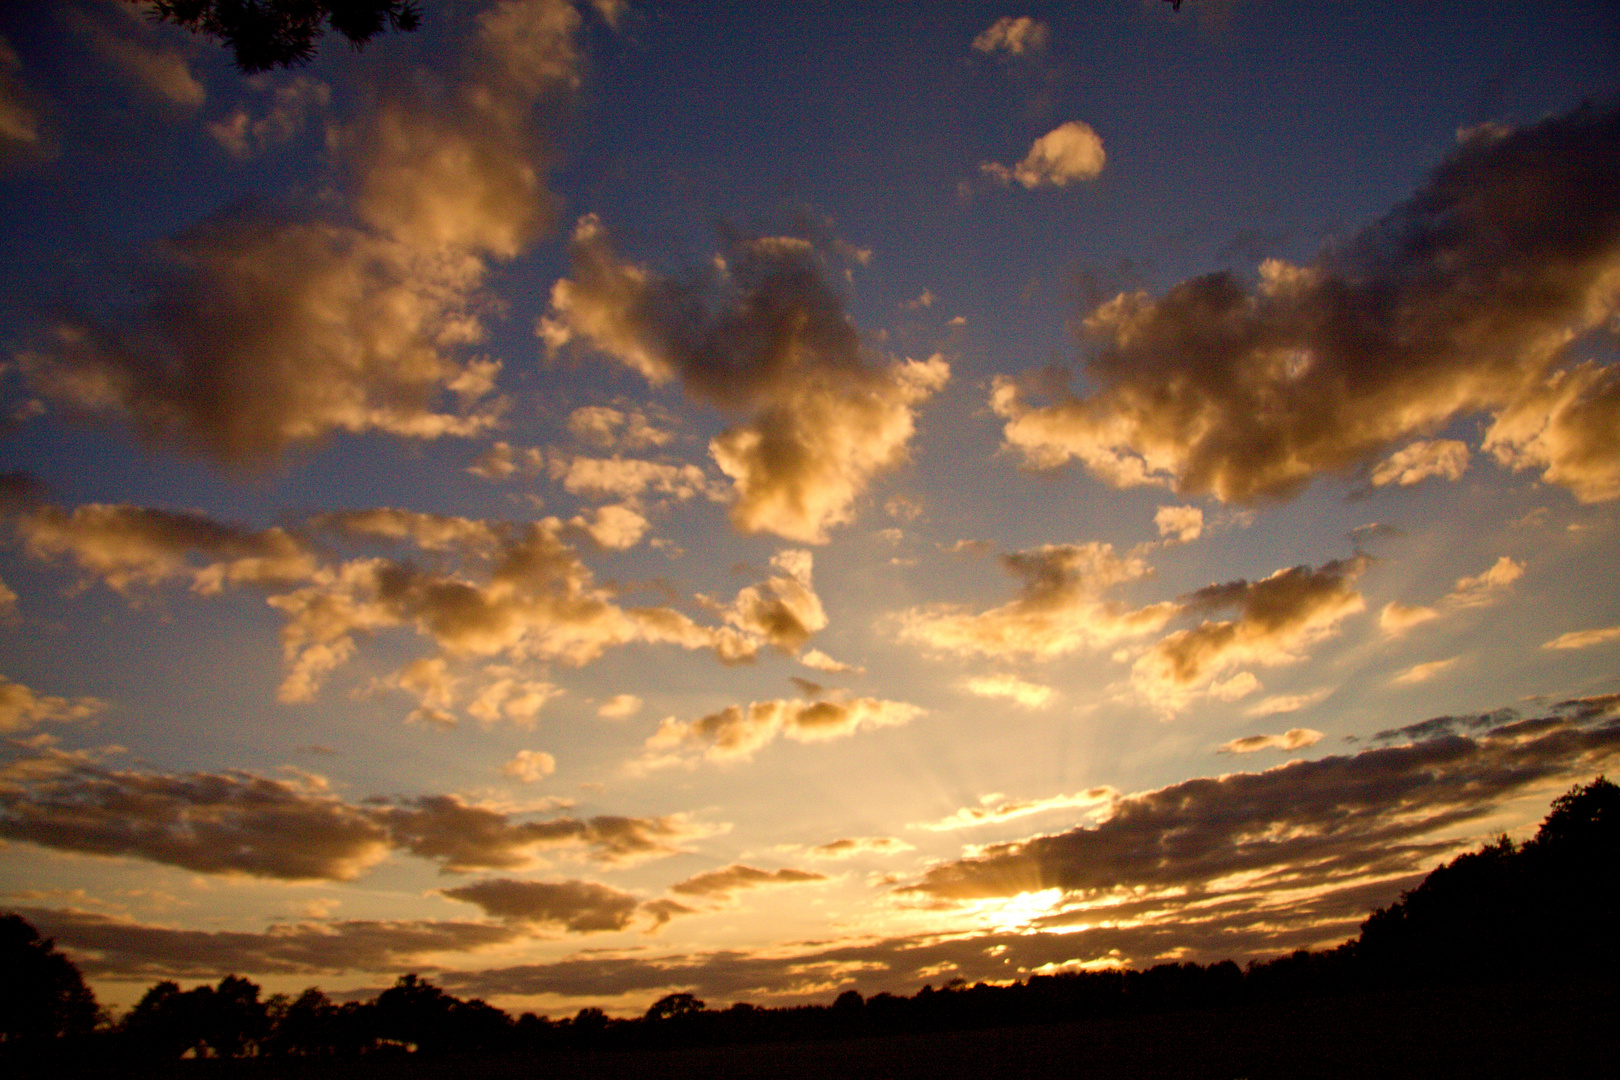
{"x":1501,"y":963}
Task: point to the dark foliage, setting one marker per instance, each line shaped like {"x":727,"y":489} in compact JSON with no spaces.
{"x":42,"y":996}
{"x":265,"y":34}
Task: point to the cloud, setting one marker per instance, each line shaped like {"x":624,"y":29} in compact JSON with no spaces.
{"x":21,"y":707}
{"x":820,"y":661}
{"x":1486,"y":587}
{"x":502,"y":459}
{"x":580,"y":907}
{"x":994,"y":809}
{"x":291,"y":104}
{"x":1397,"y":618}
{"x":1276,"y":617}
{"x":850,"y":847}
{"x":766,"y":333}
{"x":161,"y":72}
{"x":21,"y":133}
{"x":107,"y":946}
{"x":1292,"y":739}
{"x":628,"y":428}
{"x":1059,"y":608}
{"x":1013,"y":36}
{"x":1012,"y":688}
{"x":1183,"y":524}
{"x":735,"y":733}
{"x":1297,"y":825}
{"x":291,"y":828}
{"x":269,"y":330}
{"x":1423,"y":672}
{"x":615,"y":527}
{"x":722,"y":883}
{"x":1287,"y":703}
{"x":230,"y":822}
{"x":619,"y":706}
{"x":785,"y":610}
{"x":530,"y":765}
{"x":1067,"y":153}
{"x":463,"y":837}
{"x":1583,"y":639}
{"x":128,"y":546}
{"x":626,"y":478}
{"x":521,"y":591}
{"x":1447,"y":458}
{"x":1469,"y":298}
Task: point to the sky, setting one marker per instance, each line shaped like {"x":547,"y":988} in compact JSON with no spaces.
{"x":588,"y":501}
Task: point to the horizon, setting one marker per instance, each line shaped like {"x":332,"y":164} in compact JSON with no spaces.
{"x":584,"y":502}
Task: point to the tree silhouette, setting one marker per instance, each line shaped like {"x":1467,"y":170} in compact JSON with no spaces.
{"x":42,"y":995}
{"x":673,"y":1005}
{"x":265,"y":34}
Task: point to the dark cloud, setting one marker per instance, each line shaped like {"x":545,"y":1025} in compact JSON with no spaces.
{"x":734,"y":878}
{"x":230,"y":822}
{"x":465,"y":837}
{"x":236,"y":822}
{"x":1298,"y":817}
{"x":1471,"y":297}
{"x":1276,"y":616}
{"x":581,"y":907}
{"x":118,"y":948}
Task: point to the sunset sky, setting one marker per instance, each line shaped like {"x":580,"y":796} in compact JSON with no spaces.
{"x":585,"y":501}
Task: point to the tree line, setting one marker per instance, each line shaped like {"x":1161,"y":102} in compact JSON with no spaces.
{"x":1542,"y":909}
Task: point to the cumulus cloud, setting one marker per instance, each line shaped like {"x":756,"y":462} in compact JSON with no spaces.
{"x":291,"y":104}
{"x":735,"y":733}
{"x":996,"y":808}
{"x":521,"y":591}
{"x":1302,"y":823}
{"x":1183,"y":524}
{"x":266,"y":331}
{"x":851,"y":846}
{"x":766,"y":333}
{"x":579,"y":907}
{"x":529,"y":765}
{"x":1010,"y":687}
{"x":1397,"y":618}
{"x":628,"y":428}
{"x":128,"y":546}
{"x":502,"y":460}
{"x":626,"y":478}
{"x":21,"y":707}
{"x":1067,"y":153}
{"x":723,"y":883}
{"x":1446,"y":458}
{"x":1276,"y":617}
{"x":1059,"y":608}
{"x":1487,"y":587}
{"x":1292,"y":739}
{"x":820,"y":661}
{"x":1012,"y":35}
{"x":619,"y":706}
{"x":1470,"y":298}
{"x":1583,"y":639}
